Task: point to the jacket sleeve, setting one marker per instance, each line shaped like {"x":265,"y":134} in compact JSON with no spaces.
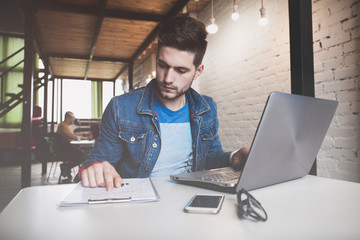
{"x":107,"y":145}
{"x":216,"y":157}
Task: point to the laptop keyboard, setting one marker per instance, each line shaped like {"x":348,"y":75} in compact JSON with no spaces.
{"x":221,"y":177}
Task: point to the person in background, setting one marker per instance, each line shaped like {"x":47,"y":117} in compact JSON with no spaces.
{"x":165,"y":127}
{"x":73,"y":156}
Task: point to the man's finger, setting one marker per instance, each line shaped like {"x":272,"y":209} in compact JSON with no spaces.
{"x":84,"y":178}
{"x":109,"y":182}
{"x":117,"y":178}
{"x":99,"y":177}
{"x":91,"y":176}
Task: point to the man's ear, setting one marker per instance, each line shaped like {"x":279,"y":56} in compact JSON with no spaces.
{"x":199,"y":70}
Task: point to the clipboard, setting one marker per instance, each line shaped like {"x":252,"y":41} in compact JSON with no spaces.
{"x":132,"y":190}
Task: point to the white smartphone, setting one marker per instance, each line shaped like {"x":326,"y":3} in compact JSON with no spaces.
{"x":205,"y":203}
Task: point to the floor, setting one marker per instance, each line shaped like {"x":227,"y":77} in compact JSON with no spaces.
{"x":10,"y":180}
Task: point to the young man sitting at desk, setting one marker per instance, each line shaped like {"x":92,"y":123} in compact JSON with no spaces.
{"x":166,"y":127}
{"x":73,"y":156}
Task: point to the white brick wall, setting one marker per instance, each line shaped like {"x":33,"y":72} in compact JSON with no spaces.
{"x":336,"y":26}
{"x":245,"y":62}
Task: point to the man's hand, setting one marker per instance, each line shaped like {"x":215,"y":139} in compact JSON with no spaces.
{"x":101,"y":175}
{"x":239,"y":158}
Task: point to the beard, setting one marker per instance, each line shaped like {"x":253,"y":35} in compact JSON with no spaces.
{"x":167,"y":95}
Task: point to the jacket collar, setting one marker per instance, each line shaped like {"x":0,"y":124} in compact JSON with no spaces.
{"x":198,"y":105}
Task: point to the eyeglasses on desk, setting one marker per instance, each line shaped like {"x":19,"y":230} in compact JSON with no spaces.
{"x":249,"y":207}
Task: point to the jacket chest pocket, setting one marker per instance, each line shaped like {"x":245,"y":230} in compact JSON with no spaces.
{"x":208,"y":133}
{"x":206,"y":137}
{"x":134,"y":142}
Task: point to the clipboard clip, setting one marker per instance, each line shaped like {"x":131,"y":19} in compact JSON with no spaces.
{"x":109,"y":200}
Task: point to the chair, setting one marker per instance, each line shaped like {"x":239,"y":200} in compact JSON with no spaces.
{"x":49,"y":152}
{"x":62,"y":148}
{"x":59,"y":143}
{"x":46,"y":147}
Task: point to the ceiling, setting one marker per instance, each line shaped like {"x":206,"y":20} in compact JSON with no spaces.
{"x":96,"y":39}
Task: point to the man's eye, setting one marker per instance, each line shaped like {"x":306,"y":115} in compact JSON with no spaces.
{"x":180,"y":70}
{"x":162,"y":65}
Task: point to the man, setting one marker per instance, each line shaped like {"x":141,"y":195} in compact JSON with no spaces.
{"x":165,"y":127}
{"x":72,"y":155}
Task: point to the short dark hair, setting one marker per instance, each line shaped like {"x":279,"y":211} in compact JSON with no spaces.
{"x":69,"y":114}
{"x":185,"y":34}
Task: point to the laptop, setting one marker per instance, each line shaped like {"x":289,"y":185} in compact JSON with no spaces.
{"x":286,"y":142}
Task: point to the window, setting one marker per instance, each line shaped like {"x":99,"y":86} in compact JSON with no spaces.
{"x":77,"y":98}
{"x":107,"y":93}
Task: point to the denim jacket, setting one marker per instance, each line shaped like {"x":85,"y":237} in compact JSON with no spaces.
{"x":130,"y":133}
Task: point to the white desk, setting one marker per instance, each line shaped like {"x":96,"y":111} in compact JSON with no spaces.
{"x":83,"y":142}
{"x":307,"y":208}
{"x":85,"y":146}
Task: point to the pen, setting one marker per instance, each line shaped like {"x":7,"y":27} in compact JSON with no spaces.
{"x":109,"y":200}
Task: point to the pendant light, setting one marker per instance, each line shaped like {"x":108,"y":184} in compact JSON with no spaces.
{"x":212,"y":28}
{"x":263,"y":21}
{"x":235,"y":15}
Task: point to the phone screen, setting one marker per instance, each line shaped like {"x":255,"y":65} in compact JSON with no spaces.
{"x":204,"y":201}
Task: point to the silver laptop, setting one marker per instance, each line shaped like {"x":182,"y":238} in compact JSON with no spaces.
{"x":287,"y":140}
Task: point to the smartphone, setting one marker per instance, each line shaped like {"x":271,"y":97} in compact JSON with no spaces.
{"x":205,"y":203}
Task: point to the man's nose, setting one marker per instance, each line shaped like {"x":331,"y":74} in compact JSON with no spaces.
{"x":169,"y":75}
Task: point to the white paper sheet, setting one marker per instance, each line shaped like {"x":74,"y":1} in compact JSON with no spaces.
{"x":138,"y":189}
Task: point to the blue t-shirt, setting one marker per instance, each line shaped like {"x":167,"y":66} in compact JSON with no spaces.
{"x":176,"y":154}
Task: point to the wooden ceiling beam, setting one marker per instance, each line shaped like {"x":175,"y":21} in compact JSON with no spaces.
{"x":86,"y":57}
{"x":41,"y":47}
{"x":179,"y":5}
{"x":96,"y":36}
{"x":134,"y":15}
{"x":61,"y":7}
{"x":81,"y":78}
{"x":37,"y":36}
{"x":148,"y":40}
{"x":110,"y":13}
{"x":89,"y":10}
{"x":15,"y":35}
{"x":121,"y":72}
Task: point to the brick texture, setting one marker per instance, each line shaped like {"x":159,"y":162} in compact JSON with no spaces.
{"x":245,"y":62}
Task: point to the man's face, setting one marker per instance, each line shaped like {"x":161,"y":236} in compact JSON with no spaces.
{"x":70,"y":119}
{"x":175,"y":72}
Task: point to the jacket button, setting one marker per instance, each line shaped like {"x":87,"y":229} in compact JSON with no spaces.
{"x":154,"y":145}
{"x":132,"y":139}
{"x":146,"y":169}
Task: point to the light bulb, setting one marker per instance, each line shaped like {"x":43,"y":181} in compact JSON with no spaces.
{"x":263,"y":21}
{"x":235,"y":16}
{"x":212,"y":28}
